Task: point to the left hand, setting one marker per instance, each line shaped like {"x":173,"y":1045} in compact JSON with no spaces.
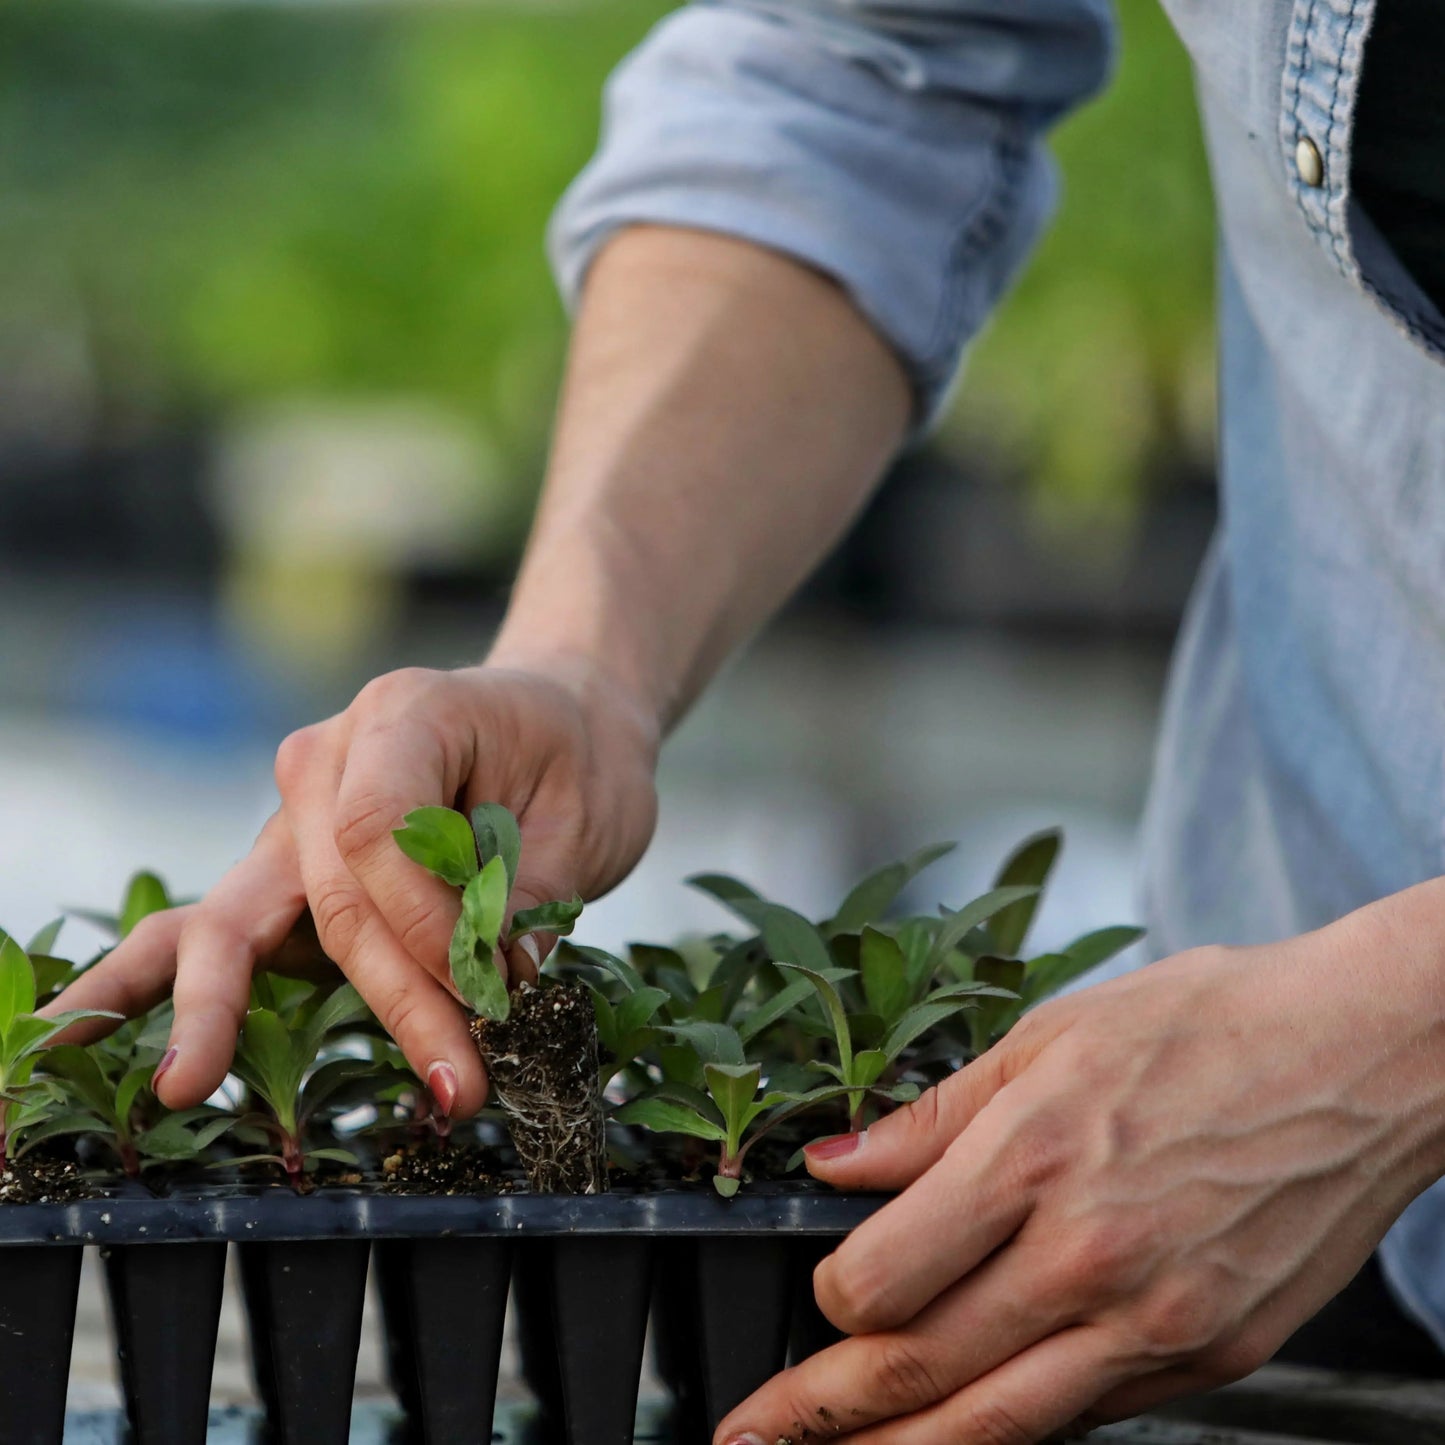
{"x":1140,"y":1193}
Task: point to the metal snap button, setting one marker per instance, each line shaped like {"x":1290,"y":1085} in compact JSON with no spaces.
{"x":1308,"y":162}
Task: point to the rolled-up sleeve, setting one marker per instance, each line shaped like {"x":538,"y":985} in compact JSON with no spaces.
{"x":894,"y":145}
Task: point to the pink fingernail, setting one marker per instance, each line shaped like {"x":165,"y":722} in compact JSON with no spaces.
{"x":167,"y":1059}
{"x":835,"y":1147}
{"x":748,"y":1439}
{"x":441,"y":1079}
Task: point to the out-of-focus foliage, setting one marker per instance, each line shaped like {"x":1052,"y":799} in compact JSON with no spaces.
{"x":1099,"y":373}
{"x":237,"y":203}
{"x":206,"y":208}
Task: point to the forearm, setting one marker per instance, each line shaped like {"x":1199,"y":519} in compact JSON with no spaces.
{"x":726,"y":412}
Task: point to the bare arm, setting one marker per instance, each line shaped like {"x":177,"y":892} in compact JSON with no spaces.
{"x":726,"y":412}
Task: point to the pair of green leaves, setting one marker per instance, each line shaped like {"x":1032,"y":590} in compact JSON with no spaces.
{"x":23,"y":1034}
{"x":481,"y":857}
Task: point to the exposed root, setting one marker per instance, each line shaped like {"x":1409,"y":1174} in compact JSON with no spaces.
{"x":543,"y":1067}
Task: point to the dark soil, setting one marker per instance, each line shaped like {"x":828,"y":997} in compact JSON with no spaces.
{"x":543,"y":1065}
{"x":429,"y":1169}
{"x":44,"y":1181}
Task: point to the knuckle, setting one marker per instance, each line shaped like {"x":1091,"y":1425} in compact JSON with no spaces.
{"x":990,"y":1422}
{"x":295,"y":755}
{"x":1094,"y":1262}
{"x":340,"y":916}
{"x":362,"y":822}
{"x":901,"y":1378}
{"x":384,"y":692}
{"x":850,"y":1294}
{"x":1178,"y":1320}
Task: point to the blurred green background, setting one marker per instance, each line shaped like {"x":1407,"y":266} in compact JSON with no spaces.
{"x":209,"y":208}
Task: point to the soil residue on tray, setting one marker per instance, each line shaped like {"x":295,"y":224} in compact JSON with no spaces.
{"x":431,"y":1168}
{"x":543,"y":1064}
{"x":44,"y":1181}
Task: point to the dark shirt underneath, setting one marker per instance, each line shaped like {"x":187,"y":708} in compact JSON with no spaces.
{"x":1398,"y":165}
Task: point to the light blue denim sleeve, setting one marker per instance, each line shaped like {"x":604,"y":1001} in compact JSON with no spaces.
{"x":895,"y":145}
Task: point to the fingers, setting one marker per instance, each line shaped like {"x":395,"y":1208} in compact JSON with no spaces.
{"x":391,"y":768}
{"x":248,"y":916}
{"x":938,"y":1230}
{"x":1036,"y":1396}
{"x":996,"y":1313}
{"x":131,"y":979}
{"x":422,"y":1016}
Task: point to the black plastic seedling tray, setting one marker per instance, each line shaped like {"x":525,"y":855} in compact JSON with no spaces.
{"x":727,"y":1284}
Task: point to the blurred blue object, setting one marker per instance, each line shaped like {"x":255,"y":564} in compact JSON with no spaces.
{"x":168,"y":670}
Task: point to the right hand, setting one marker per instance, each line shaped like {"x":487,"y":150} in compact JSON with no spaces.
{"x":569,"y":751}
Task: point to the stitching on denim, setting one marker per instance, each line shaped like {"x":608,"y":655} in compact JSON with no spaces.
{"x":1296,"y":50}
{"x":986,"y":223}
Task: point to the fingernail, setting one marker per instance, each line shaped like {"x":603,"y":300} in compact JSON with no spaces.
{"x":441,"y":1079}
{"x":836,"y":1146}
{"x":167,"y":1059}
{"x":528,"y":944}
{"x":748,"y":1439}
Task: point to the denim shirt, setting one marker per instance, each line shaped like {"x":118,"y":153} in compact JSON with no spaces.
{"x":897,"y":145}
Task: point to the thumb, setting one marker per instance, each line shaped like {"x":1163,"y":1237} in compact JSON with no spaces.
{"x":905,"y":1144}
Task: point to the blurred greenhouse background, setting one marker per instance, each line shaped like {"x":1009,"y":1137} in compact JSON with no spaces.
{"x":278,"y":353}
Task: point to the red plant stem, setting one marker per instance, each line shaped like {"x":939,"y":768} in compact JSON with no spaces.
{"x":129,"y":1158}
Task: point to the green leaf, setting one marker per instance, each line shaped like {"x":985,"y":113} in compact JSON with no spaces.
{"x":17,"y":983}
{"x":268,"y":1063}
{"x":332,"y":1156}
{"x":175,"y":1138}
{"x":82,"y":1078}
{"x":638,"y":1010}
{"x":331,"y":1077}
{"x":341,"y":1007}
{"x":707,"y":1007}
{"x":871,"y":898}
{"x":663,"y":1117}
{"x":778,"y":1007}
{"x":1028,"y":866}
{"x":38,"y":1124}
{"x":1094,"y":948}
{"x":130,"y":1088}
{"x":918,"y":1021}
{"x":868,"y":1066}
{"x":44,"y":941}
{"x":474,"y":941}
{"x":823,"y":981}
{"x":712,"y":1043}
{"x":51,"y":974}
{"x":30,"y":1033}
{"x":733,"y":1088}
{"x":735,"y":970}
{"x":498,"y":836}
{"x":790,"y":938}
{"x":955,"y":927}
{"x":557,"y":917}
{"x":144,"y":894}
{"x":885,"y":975}
{"x":726,"y":1185}
{"x":733,"y":894}
{"x":440,"y":839}
{"x":619,"y":968}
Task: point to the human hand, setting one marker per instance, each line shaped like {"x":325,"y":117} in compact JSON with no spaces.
{"x":1140,"y":1193}
{"x":567,"y":750}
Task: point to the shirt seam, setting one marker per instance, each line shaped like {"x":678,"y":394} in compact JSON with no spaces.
{"x":987,"y":221}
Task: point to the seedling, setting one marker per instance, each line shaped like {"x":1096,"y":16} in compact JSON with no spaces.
{"x":481,"y":858}
{"x":539,"y":1046}
{"x":728,"y":1110}
{"x":288,"y":1027}
{"x":25,"y":1101}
